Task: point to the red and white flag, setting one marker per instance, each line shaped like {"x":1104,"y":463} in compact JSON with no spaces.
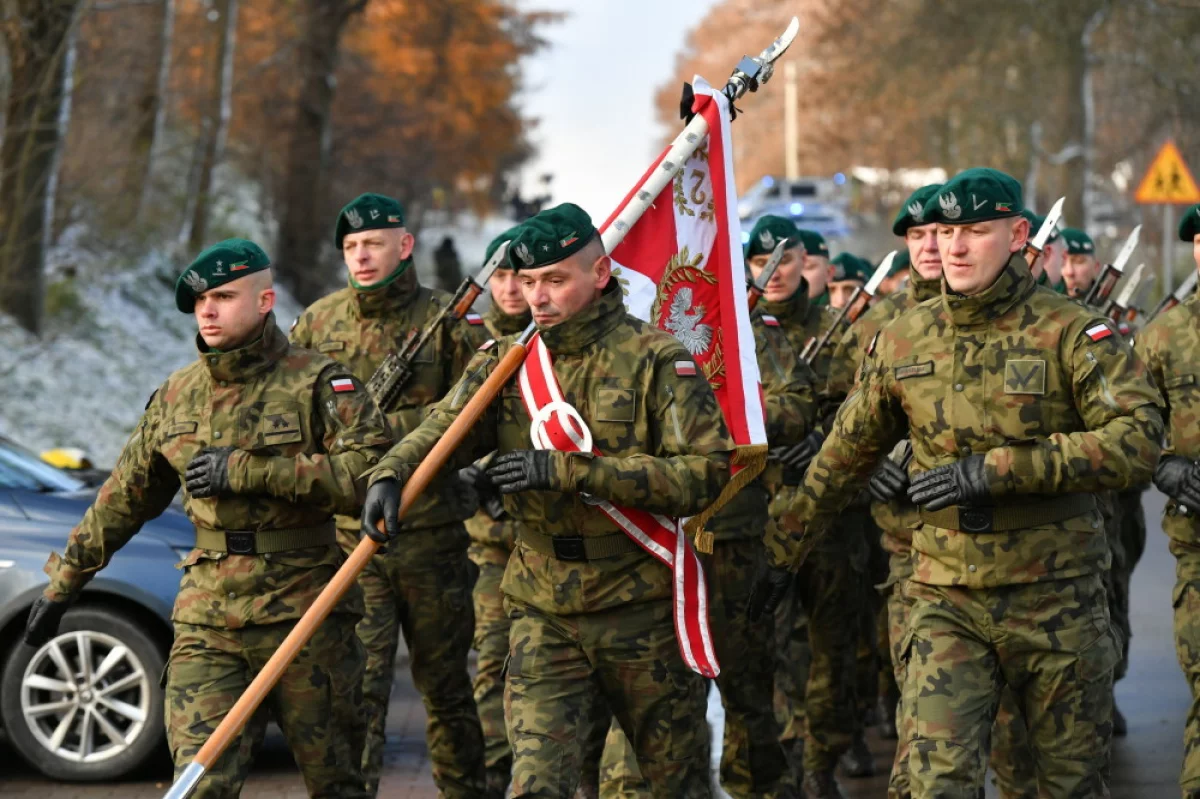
{"x":681,"y":267}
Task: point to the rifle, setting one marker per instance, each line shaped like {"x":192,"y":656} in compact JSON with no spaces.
{"x":755,"y":288}
{"x":1102,"y":286}
{"x":396,"y":369}
{"x":1034,"y":247}
{"x":1177,"y":296}
{"x":850,"y":312}
{"x":1123,"y":309}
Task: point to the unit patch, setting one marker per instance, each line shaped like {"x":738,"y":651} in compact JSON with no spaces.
{"x":1025,"y":376}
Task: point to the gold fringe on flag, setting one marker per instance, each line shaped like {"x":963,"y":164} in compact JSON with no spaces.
{"x":754,"y":459}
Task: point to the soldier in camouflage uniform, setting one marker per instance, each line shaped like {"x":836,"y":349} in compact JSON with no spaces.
{"x":420,"y":587}
{"x":753,"y":763}
{"x":1019,"y":405}
{"x":269,"y":441}
{"x":894,"y":515}
{"x":493,"y":537}
{"x":1170,"y":346}
{"x":815,"y":627}
{"x":849,"y":273}
{"x":591,"y":612}
{"x":1048,"y":268}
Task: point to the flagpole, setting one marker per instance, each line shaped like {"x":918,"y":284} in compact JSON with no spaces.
{"x":748,"y":76}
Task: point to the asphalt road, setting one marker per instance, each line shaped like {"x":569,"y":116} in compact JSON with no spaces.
{"x":1153,"y":696}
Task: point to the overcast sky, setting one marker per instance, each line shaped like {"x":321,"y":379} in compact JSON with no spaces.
{"x":592,"y":92}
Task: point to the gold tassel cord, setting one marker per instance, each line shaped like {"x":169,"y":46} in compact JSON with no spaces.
{"x":754,"y":459}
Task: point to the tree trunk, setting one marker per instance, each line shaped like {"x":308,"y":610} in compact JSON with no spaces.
{"x":38,"y":48}
{"x":152,"y":108}
{"x":1087,"y":100}
{"x":302,"y":230}
{"x":216,"y":124}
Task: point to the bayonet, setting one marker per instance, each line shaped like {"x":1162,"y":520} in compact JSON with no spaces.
{"x":1102,"y":286}
{"x":750,"y":73}
{"x":1178,"y":295}
{"x":1123,"y":309}
{"x":758,"y":286}
{"x":396,"y":369}
{"x":1034,"y":247}
{"x":851,"y":311}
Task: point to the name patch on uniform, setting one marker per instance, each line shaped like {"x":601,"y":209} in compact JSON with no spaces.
{"x":331,"y":346}
{"x":342,"y":384}
{"x":474,"y":319}
{"x":181,"y":428}
{"x":770,"y":321}
{"x":685,"y":368}
{"x":912,"y":369}
{"x":1100,"y":331}
{"x":1025,"y":376}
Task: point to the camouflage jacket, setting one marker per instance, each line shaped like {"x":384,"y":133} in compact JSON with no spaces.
{"x":488,"y":534}
{"x":1042,"y":387}
{"x":896,"y":519}
{"x":666,"y":450}
{"x":358,"y":328}
{"x":301,"y":447}
{"x":1170,"y":346}
{"x":801,"y":319}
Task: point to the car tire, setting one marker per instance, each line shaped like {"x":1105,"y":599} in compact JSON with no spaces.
{"x":107,"y":720}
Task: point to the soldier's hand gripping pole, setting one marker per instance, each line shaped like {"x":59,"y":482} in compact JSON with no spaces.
{"x":233,"y":723}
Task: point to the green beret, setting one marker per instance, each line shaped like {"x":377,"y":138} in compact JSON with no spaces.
{"x":910,"y":213}
{"x":768,"y":231}
{"x":367,"y":212}
{"x":1189,"y":226}
{"x":814,"y":242}
{"x":552,"y":236}
{"x":221,"y":263}
{"x":975,"y":195}
{"x":901,"y":261}
{"x":1078,"y":242}
{"x":495,"y":243}
{"x":1035,"y":224}
{"x":850,"y":267}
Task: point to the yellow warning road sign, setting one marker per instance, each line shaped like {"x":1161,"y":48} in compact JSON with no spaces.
{"x":1168,"y":180}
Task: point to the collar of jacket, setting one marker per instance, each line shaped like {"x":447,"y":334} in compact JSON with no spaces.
{"x":503,"y":324}
{"x":244,"y":363}
{"x":920,"y":289}
{"x":394,"y":293}
{"x":1014,"y":284}
{"x":794,"y":309}
{"x":576,"y":334}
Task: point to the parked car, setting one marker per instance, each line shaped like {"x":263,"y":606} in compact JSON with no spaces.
{"x":89,"y":704}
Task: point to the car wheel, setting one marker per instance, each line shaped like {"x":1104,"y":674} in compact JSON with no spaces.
{"x":87,"y":705}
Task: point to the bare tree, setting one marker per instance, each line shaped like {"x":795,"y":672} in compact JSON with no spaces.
{"x":152,"y":111}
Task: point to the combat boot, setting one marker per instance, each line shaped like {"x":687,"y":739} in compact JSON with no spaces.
{"x":857,"y":761}
{"x":821,"y":785}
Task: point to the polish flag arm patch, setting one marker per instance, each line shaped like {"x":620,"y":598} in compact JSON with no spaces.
{"x":685,"y":368}
{"x":342,"y":384}
{"x":770,"y":321}
{"x":1098,"y":332}
{"x":473,"y":318}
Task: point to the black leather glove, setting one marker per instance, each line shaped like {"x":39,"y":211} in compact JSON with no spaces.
{"x":888,"y":482}
{"x":1176,"y":477}
{"x":474,"y":478}
{"x":521,"y":470}
{"x":771,"y":585}
{"x":799,"y":456}
{"x":961,"y":483}
{"x":207,"y":474}
{"x":44,"y":618}
{"x":383,"y":502}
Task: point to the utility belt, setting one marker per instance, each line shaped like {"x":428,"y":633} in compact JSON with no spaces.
{"x":1001,"y":519}
{"x":578,"y":547}
{"x":265,"y":542}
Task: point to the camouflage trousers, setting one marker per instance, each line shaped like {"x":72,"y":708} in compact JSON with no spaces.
{"x":1187,"y":649}
{"x":420,"y":588}
{"x":1051,"y":643}
{"x":752,"y":759}
{"x":816,"y":710}
{"x":491,"y":646}
{"x":564,"y":672}
{"x":317,"y":703}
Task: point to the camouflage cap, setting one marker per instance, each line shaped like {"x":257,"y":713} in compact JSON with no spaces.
{"x":814,"y":242}
{"x":367,"y":212}
{"x":1189,"y":226}
{"x":1035,"y":224}
{"x":910,"y":213}
{"x":553,"y":235}
{"x":768,"y":231}
{"x":847,"y":266}
{"x":495,"y":243}
{"x":1078,"y":242}
{"x":975,"y":195}
{"x":222,"y":263}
